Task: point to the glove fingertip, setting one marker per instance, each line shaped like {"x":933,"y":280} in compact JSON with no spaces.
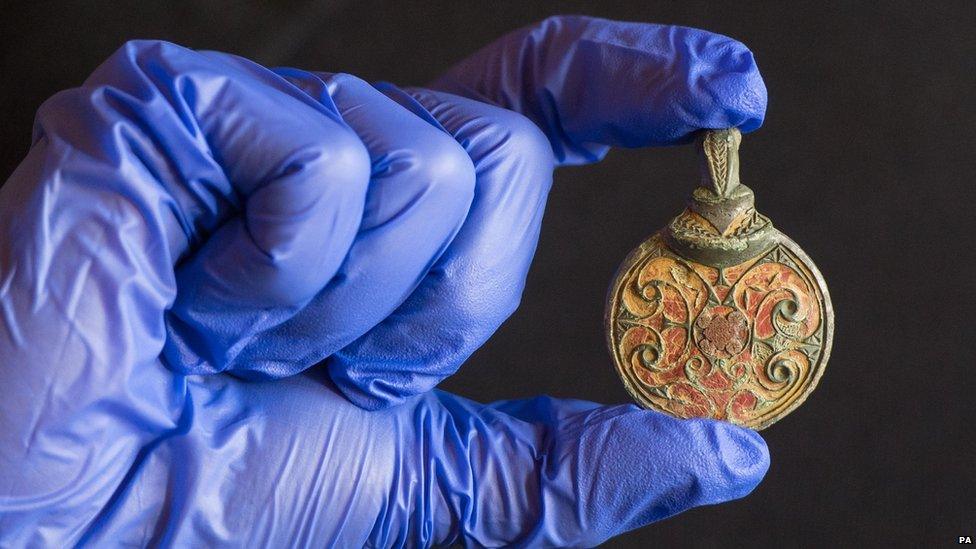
{"x":744,"y":459}
{"x":635,"y":467}
{"x":726,"y":88}
{"x":726,"y":461}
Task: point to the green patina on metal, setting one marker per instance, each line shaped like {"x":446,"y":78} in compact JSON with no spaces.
{"x":721,"y":226}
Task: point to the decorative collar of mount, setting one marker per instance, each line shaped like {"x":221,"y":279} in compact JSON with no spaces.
{"x":721,"y":226}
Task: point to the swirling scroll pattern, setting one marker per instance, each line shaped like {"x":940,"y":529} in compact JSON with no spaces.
{"x":684,"y":342}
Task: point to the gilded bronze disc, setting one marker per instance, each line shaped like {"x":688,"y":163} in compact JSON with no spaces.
{"x":719,"y":314}
{"x":745,"y":343}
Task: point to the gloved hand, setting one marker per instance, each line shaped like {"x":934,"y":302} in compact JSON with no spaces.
{"x":188,"y":213}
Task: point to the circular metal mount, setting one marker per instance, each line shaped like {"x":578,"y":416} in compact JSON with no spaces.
{"x":745,"y":343}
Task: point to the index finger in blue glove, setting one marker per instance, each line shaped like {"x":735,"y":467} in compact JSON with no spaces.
{"x":591,"y":83}
{"x":587,"y":84}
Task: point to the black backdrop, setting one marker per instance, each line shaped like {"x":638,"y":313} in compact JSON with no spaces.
{"x":866,"y":159}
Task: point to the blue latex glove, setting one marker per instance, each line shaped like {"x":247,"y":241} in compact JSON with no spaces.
{"x":186,"y":213}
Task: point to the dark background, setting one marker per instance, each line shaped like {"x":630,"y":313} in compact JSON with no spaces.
{"x":866,"y":159}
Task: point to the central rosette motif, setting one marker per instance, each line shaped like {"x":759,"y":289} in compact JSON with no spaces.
{"x":721,"y":332}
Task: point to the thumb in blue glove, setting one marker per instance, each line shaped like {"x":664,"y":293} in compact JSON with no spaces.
{"x":186,"y":213}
